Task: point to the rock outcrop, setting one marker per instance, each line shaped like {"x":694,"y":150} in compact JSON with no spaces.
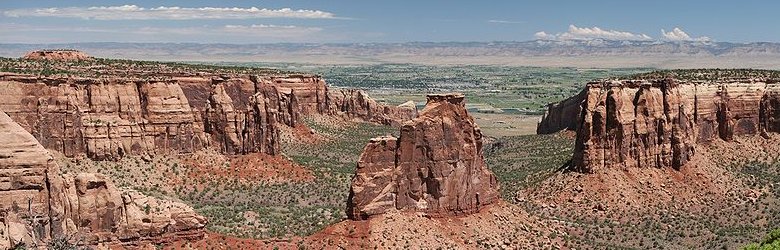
{"x":39,"y":204}
{"x":659,"y":123}
{"x":356,"y":104}
{"x":58,"y":55}
{"x":107,"y":118}
{"x":561,"y":115}
{"x":435,"y":166}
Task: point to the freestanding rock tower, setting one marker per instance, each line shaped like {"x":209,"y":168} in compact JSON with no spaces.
{"x":435,"y":166}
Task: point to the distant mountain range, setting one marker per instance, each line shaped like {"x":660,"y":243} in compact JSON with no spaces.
{"x":600,"y":53}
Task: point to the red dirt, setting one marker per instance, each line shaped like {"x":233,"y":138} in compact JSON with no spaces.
{"x":704,"y":179}
{"x":255,"y":167}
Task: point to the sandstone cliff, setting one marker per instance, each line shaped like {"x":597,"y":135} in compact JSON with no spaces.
{"x":658,"y":123}
{"x":356,"y":104}
{"x":39,"y":204}
{"x":106,"y":118}
{"x":561,"y":115}
{"x":58,"y":55}
{"x":435,"y":166}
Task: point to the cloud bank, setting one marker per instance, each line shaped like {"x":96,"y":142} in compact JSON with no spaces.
{"x":20,"y":33}
{"x":134,"y":12}
{"x":678,"y":35}
{"x":577,"y":33}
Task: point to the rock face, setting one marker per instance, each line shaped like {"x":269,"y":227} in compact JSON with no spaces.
{"x":38,"y":204}
{"x":107,"y":118}
{"x":59,"y":55}
{"x":659,"y":123}
{"x":435,"y":166}
{"x":561,"y":115}
{"x":356,"y":104}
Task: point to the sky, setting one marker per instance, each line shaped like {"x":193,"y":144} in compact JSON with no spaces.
{"x":362,"y":21}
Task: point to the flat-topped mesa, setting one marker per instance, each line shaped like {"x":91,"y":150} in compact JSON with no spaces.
{"x":435,"y":166}
{"x":57,"y":55}
{"x":40,"y":204}
{"x":107,"y":118}
{"x":658,"y":123}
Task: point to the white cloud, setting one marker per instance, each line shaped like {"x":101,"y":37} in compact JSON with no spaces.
{"x":577,"y":33}
{"x":133,"y":12}
{"x":541,"y":35}
{"x":505,"y":21}
{"x":227,"y":33}
{"x":678,"y":34}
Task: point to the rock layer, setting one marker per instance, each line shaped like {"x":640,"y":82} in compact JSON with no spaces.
{"x":659,"y":123}
{"x":561,"y":115}
{"x":436,"y":166}
{"x":107,"y":118}
{"x":59,"y":55}
{"x":38,"y":204}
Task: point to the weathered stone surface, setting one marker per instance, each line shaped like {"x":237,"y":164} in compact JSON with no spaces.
{"x":310,"y":92}
{"x":38,"y":204}
{"x":561,"y":115}
{"x":435,"y":166}
{"x":659,"y":123}
{"x":59,"y":55}
{"x":108,"y":118}
{"x":357,"y":104}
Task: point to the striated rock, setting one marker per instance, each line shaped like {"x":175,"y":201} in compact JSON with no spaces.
{"x":561,"y":115}
{"x":435,"y":166}
{"x":108,"y":118}
{"x":105,"y":119}
{"x":38,"y":204}
{"x":310,"y":92}
{"x":59,"y":55}
{"x":244,"y":123}
{"x":659,"y":123}
{"x":357,"y":104}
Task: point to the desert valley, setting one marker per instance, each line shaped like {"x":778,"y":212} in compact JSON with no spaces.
{"x":361,"y":126}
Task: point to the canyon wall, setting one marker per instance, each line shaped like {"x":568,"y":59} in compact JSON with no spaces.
{"x":40,"y":204}
{"x":435,"y":166}
{"x":561,"y":115}
{"x":106,"y":118}
{"x":659,"y":123}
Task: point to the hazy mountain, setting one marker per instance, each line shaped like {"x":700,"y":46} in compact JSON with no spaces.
{"x":605,"y":53}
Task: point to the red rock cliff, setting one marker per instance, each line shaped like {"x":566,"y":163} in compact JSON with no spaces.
{"x":435,"y":166}
{"x":39,"y":204}
{"x":659,"y":123}
{"x":109,"y":117}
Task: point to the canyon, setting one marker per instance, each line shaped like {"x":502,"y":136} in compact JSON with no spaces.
{"x":107,"y":110}
{"x":107,"y":118}
{"x":40,"y":204}
{"x":659,"y":123}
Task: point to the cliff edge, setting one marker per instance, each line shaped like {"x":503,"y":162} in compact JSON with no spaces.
{"x":659,"y":123}
{"x":39,"y":204}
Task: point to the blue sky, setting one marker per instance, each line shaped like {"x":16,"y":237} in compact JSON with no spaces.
{"x":387,"y":21}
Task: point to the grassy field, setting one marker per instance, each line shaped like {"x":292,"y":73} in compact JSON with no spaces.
{"x":522,"y":90}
